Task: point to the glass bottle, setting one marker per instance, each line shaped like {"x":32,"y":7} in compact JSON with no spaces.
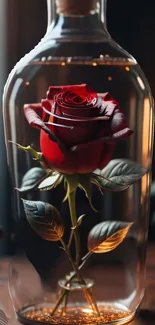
{"x":77,"y":49}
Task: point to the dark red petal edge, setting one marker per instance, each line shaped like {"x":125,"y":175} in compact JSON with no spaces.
{"x":118,"y":136}
{"x":31,"y":112}
{"x":53,"y":90}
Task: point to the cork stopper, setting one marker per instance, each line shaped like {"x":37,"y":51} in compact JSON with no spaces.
{"x":75,"y":7}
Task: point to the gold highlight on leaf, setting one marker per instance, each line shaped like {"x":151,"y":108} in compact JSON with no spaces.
{"x":106,"y":236}
{"x":48,"y":231}
{"x":113,"y":241}
{"x":44,"y":219}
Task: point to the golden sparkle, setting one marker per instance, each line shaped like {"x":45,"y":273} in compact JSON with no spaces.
{"x":78,"y":315}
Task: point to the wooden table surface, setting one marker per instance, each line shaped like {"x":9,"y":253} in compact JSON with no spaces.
{"x":145,"y":316}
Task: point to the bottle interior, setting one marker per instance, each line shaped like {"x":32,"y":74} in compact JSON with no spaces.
{"x":118,"y":275}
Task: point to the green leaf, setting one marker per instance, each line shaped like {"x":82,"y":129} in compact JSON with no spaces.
{"x":50,"y":182}
{"x":80,"y":219}
{"x":107,"y":235}
{"x":79,"y":222}
{"x":44,"y":219}
{"x":119,"y":174}
{"x":32,"y":178}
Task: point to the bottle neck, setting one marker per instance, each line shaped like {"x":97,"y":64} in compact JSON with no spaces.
{"x":72,"y":18}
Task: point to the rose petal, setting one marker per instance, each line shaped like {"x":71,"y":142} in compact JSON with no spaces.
{"x":47,"y":104}
{"x":82,"y":90}
{"x":71,"y":98}
{"x":34,"y":113}
{"x":109,"y":109}
{"x":84,"y":160}
{"x":68,"y":141}
{"x":113,"y":109}
{"x":31,"y":112}
{"x":73,"y":122}
{"x":118,"y":122}
{"x":120,"y":135}
{"x":52,"y":91}
{"x":106,"y":96}
{"x":106,"y":155}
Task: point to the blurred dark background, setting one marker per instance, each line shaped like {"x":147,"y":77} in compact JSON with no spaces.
{"x":23,"y":23}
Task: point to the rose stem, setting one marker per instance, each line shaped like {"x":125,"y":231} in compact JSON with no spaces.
{"x":59,"y":301}
{"x":65,"y":303}
{"x":72,"y":207}
{"x":64,"y":292}
{"x":70,"y":239}
{"x":85,"y":260}
{"x":86,"y":291}
{"x":71,"y":202}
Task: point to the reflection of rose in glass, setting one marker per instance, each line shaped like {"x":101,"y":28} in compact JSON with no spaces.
{"x":79,"y":129}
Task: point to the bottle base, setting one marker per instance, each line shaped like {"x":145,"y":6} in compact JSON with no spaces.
{"x":110,"y":314}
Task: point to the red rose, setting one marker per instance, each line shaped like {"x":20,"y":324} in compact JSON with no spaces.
{"x":79,"y":129}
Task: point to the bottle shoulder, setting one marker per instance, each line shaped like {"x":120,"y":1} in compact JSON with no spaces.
{"x":48,"y":49}
{"x":51,"y":52}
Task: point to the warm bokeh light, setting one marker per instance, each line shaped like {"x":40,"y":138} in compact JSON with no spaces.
{"x":144,"y":187}
{"x":141,"y":83}
{"x":127,"y":68}
{"x":87,"y":311}
{"x":145,"y":132}
{"x":146,"y":145}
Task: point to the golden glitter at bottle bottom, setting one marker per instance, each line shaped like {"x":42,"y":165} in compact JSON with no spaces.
{"x":75,"y":315}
